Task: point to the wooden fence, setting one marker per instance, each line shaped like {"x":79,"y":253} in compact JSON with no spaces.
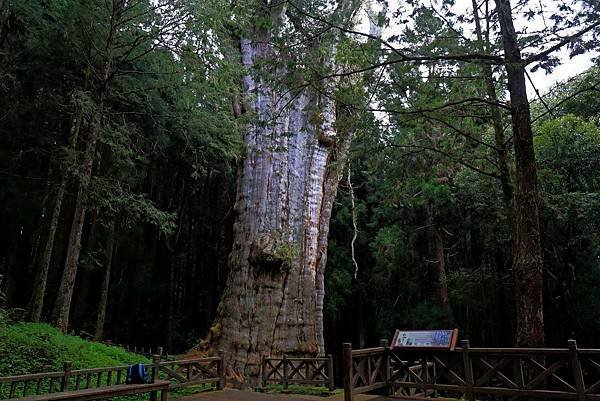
{"x":180,"y":373}
{"x":147,"y":352}
{"x":499,"y":373}
{"x":291,"y":370}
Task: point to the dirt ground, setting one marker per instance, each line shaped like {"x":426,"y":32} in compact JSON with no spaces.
{"x":237,"y":395}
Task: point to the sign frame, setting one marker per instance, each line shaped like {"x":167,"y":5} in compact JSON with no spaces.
{"x":451,"y":346}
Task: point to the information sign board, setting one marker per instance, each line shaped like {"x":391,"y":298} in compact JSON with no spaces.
{"x":442,"y":339}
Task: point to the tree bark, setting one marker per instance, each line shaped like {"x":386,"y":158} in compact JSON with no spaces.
{"x":39,"y":288}
{"x":441,"y":269}
{"x":499,"y":139}
{"x":41,"y":279}
{"x":62,"y":306}
{"x":273,"y":299}
{"x":102,"y":303}
{"x":527,"y":258}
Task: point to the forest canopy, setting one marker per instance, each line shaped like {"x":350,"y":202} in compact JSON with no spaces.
{"x":234,"y":174}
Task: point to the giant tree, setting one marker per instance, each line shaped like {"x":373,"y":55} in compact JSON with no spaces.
{"x":287,"y":182}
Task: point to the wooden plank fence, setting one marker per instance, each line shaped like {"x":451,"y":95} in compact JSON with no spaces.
{"x":179,"y":373}
{"x":288,"y":370}
{"x":568,"y":373}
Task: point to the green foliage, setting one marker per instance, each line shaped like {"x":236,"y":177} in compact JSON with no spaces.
{"x":35,"y":347}
{"x":567,"y":150}
{"x":425,"y":177}
{"x":27,"y":348}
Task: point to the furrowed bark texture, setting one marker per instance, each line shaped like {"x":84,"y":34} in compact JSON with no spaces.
{"x":273,"y":300}
{"x":527,"y":260}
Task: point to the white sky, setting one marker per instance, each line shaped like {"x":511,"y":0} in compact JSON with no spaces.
{"x":543,"y":82}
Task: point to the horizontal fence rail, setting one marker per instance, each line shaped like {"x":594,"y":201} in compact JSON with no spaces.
{"x":500,"y":373}
{"x":179,"y":373}
{"x":294,"y":370}
{"x":189,"y":372}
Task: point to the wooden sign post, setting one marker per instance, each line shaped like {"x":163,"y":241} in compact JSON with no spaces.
{"x":425,"y":339}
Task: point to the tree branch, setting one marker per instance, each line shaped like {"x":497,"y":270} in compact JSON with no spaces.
{"x":565,"y":41}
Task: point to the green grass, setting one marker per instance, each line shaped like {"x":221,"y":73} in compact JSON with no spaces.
{"x":35,"y":348}
{"x":303,"y":390}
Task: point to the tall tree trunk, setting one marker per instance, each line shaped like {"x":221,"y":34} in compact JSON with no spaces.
{"x":62,"y":306}
{"x":527,"y":259}
{"x":110,"y":250}
{"x":441,"y":269}
{"x":499,"y":139}
{"x":273,"y":299}
{"x":41,"y":279}
{"x":171,"y":302}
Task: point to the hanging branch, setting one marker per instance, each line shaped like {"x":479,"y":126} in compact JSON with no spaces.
{"x":354,"y":225}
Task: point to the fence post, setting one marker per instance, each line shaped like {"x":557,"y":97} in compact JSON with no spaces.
{"x":221,"y":382}
{"x":468,"y":370}
{"x":386,"y":364}
{"x":347,"y":370}
{"x":285,"y":372}
{"x":577,"y":371}
{"x":64,"y":384}
{"x":155,"y":367}
{"x":330,"y":374}
{"x":159,"y":351}
{"x":263,"y":372}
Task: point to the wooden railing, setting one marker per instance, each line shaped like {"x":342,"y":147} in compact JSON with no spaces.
{"x":551,"y":373}
{"x":147,"y":352}
{"x":188,"y":372}
{"x":292,"y":370}
{"x":180,"y":373}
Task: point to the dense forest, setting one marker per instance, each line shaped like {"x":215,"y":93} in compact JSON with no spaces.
{"x":281,"y":176}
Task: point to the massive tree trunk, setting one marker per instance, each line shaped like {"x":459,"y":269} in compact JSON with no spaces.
{"x":527,"y":260}
{"x":273,"y":300}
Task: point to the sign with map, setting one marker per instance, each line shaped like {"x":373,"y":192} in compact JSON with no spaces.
{"x":442,"y":339}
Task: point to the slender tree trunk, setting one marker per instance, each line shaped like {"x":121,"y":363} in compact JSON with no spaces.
{"x":499,"y":139}
{"x":102,"y":304}
{"x":441,"y":269}
{"x":171,"y":302}
{"x":527,"y":259}
{"x":41,"y":279}
{"x":62,"y":306}
{"x":273,"y":299}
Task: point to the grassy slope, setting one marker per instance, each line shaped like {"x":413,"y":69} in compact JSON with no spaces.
{"x":35,"y":347}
